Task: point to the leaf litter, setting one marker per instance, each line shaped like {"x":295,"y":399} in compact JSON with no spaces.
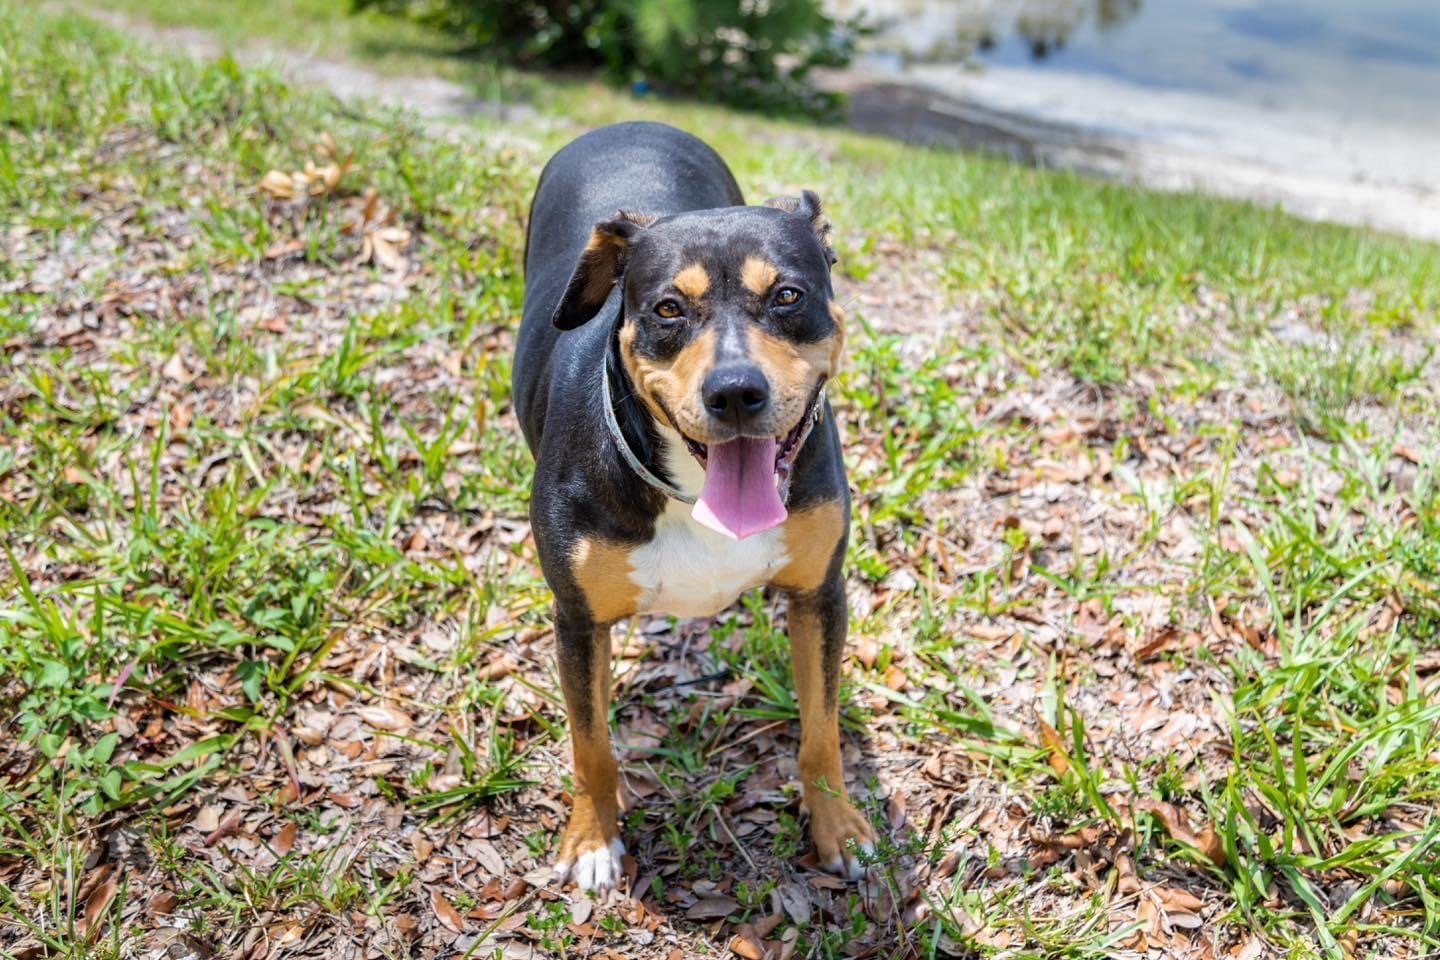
{"x":408,"y":798}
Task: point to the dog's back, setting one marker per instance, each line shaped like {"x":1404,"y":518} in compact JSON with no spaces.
{"x":647,"y":168}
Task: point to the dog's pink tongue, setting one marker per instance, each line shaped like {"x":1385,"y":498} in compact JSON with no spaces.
{"x":739,"y":498}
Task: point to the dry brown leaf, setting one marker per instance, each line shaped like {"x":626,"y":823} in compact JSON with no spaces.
{"x":207,"y":818}
{"x":282,"y":934}
{"x":1050,"y":739}
{"x":374,"y":209}
{"x":824,"y":881}
{"x":487,"y":856}
{"x":1409,"y":454}
{"x":1177,"y":824}
{"x":947,"y":864}
{"x":288,"y":794}
{"x":229,"y":825}
{"x":274,"y":324}
{"x":97,"y":904}
{"x":278,"y":185}
{"x":499,"y":668}
{"x":766,"y":925}
{"x":1126,"y":880}
{"x":895,"y":810}
{"x":1164,"y":639}
{"x":632,"y":871}
{"x":1149,"y":914}
{"x":487,"y":912}
{"x":1251,"y":949}
{"x":176,"y":370}
{"x":283,"y":249}
{"x":384,"y":718}
{"x":1173,"y":899}
{"x":285,"y":839}
{"x":383,"y":246}
{"x":448,"y":916}
{"x":162,"y":903}
{"x":1184,"y":921}
{"x":795,"y":898}
{"x":313,"y":181}
{"x":743,"y":946}
{"x":712,"y":908}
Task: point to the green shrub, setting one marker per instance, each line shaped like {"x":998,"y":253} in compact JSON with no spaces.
{"x":751,"y":53}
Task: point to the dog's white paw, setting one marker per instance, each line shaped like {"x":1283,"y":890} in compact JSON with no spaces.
{"x":596,"y":870}
{"x":843,"y":837}
{"x":848,"y":864}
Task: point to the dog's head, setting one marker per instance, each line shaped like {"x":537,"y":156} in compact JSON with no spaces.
{"x":729,"y":333}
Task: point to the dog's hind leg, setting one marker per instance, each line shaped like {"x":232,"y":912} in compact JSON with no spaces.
{"x":591,"y":848}
{"x":817,"y":644}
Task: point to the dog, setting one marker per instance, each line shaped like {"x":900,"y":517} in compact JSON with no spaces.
{"x":669,"y":378}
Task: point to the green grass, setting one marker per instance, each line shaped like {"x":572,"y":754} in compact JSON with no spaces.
{"x":250,"y":479}
{"x":1096,"y":271}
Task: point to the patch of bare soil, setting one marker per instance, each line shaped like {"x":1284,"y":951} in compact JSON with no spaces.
{"x":432,"y":98}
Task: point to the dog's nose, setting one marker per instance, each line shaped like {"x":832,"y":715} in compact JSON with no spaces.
{"x":736,"y":393}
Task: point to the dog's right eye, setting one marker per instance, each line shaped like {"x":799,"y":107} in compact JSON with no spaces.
{"x":667,"y":309}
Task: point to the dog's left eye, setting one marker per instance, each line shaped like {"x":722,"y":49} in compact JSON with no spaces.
{"x":667,"y":309}
{"x":787,"y":297}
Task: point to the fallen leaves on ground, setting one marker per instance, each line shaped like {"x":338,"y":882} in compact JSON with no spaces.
{"x":1177,"y":823}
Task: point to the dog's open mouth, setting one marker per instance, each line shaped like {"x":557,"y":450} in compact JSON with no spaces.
{"x":747,"y":480}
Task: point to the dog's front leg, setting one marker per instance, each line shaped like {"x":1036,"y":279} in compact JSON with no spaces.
{"x":817,"y":644}
{"x":591,"y":849}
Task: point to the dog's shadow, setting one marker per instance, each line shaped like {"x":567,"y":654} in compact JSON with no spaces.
{"x":715,"y":828}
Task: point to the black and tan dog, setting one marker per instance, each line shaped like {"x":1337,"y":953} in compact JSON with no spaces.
{"x":669,"y":378}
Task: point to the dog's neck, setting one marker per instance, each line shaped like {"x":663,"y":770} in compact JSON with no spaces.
{"x":679,"y":466}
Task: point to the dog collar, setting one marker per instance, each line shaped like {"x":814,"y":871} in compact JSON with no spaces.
{"x":642,"y":471}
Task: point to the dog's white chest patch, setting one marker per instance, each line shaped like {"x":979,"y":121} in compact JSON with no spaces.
{"x":689,"y":570}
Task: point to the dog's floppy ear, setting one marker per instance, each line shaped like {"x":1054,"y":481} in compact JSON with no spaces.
{"x":600,"y":266}
{"x":807,"y":205}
